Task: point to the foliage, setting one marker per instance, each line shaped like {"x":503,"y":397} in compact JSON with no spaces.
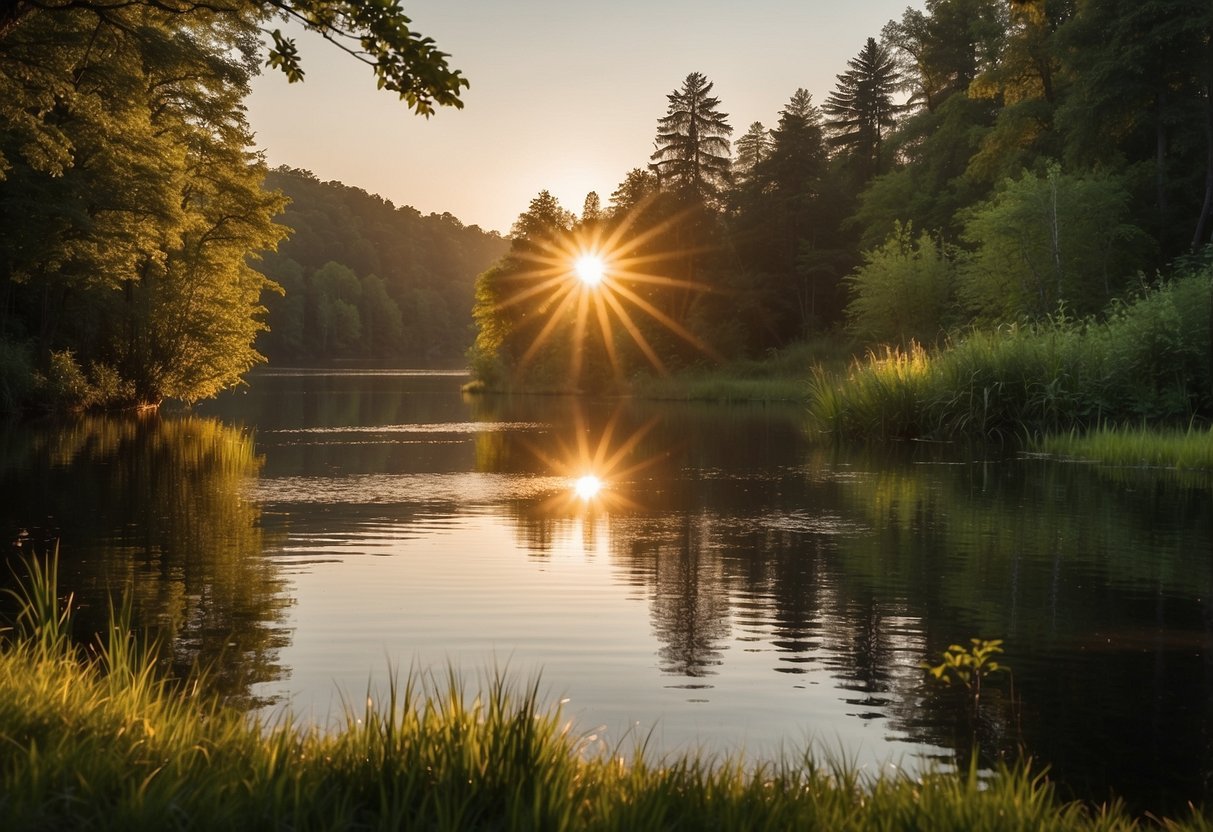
{"x":1147,"y":360}
{"x":414,"y":274}
{"x":903,"y":291}
{"x":968,"y":666}
{"x":1187,"y":449}
{"x":1047,"y":241}
{"x":751,"y":150}
{"x":99,"y":740}
{"x":130,"y":250}
{"x":195,"y":574}
{"x":378,"y":34}
{"x":861,"y":111}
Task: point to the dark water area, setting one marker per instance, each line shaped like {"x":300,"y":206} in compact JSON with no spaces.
{"x":735,"y":585}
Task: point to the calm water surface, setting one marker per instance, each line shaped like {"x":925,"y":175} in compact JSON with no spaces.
{"x":732,"y":586}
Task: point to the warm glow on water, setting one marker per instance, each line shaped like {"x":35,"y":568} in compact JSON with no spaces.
{"x":587,"y":487}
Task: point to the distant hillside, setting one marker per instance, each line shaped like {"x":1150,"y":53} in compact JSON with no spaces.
{"x":366,"y":279}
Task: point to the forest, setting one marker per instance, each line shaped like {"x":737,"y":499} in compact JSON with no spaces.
{"x":979,"y":166}
{"x":362,"y":278}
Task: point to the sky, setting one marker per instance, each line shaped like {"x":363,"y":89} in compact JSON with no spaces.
{"x":565,"y":95}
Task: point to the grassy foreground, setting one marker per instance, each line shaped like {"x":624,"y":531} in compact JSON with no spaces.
{"x":97,"y":741}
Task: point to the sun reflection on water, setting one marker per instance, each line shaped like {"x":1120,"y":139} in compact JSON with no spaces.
{"x":587,"y":487}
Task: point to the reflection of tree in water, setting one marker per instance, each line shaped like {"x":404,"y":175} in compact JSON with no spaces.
{"x":154,"y":508}
{"x":690,"y":610}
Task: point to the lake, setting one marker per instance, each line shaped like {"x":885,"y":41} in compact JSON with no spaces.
{"x":727,"y":583}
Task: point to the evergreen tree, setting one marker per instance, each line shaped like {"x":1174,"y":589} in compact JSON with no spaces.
{"x":860,"y":111}
{"x":693,"y":150}
{"x":1142,"y":91}
{"x":591,"y":209}
{"x":752,"y":149}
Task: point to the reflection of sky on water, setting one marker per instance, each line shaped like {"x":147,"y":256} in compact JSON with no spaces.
{"x":370,"y":489}
{"x":731,"y":584}
{"x":475,"y":597}
{"x":457,"y":427}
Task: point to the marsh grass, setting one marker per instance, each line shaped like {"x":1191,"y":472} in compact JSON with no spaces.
{"x":95,"y":739}
{"x":782,"y":376}
{"x":1184,"y":450}
{"x":1147,"y":360}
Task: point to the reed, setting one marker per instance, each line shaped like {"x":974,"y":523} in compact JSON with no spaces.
{"x":94,"y":739}
{"x":1147,"y":360}
{"x":1189,"y":449}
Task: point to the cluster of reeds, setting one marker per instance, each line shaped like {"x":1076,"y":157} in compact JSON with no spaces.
{"x":1146,"y":360}
{"x":96,"y":740}
{"x":1184,"y":449}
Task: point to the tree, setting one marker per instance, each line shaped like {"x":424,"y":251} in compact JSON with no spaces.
{"x":1044,"y":241}
{"x":637,"y":189}
{"x":1142,"y":91}
{"x":903,"y":290}
{"x":128,"y":254}
{"x":591,"y":209}
{"x":375,"y":32}
{"x":693,"y":150}
{"x":860,"y":111}
{"x":542,"y":220}
{"x":752,"y":149}
{"x":944,"y":47}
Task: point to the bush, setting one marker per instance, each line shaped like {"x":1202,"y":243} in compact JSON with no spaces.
{"x":903,"y":290}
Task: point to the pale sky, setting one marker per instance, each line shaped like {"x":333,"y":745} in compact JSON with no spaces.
{"x":564,"y":95}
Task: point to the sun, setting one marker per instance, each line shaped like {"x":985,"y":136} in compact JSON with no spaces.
{"x":602,"y":278}
{"x":590,"y":269}
{"x":587,"y":487}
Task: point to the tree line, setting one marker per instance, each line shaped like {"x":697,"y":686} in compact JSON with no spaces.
{"x":979,"y":162}
{"x":363,"y":278}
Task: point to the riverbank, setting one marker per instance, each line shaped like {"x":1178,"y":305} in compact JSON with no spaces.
{"x":1147,"y":362}
{"x":782,"y":376}
{"x":96,"y":740}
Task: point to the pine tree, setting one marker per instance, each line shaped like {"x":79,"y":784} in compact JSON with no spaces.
{"x":693,"y":148}
{"x":752,"y":149}
{"x":861,"y":111}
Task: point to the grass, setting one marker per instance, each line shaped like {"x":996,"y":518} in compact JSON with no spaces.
{"x":95,"y":740}
{"x":1148,"y":360}
{"x":1188,"y":449}
{"x":782,"y":376}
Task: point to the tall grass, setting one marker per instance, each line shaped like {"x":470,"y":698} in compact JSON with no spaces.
{"x":780,"y":376}
{"x":94,"y":740}
{"x":1189,"y":449}
{"x":1149,"y":360}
